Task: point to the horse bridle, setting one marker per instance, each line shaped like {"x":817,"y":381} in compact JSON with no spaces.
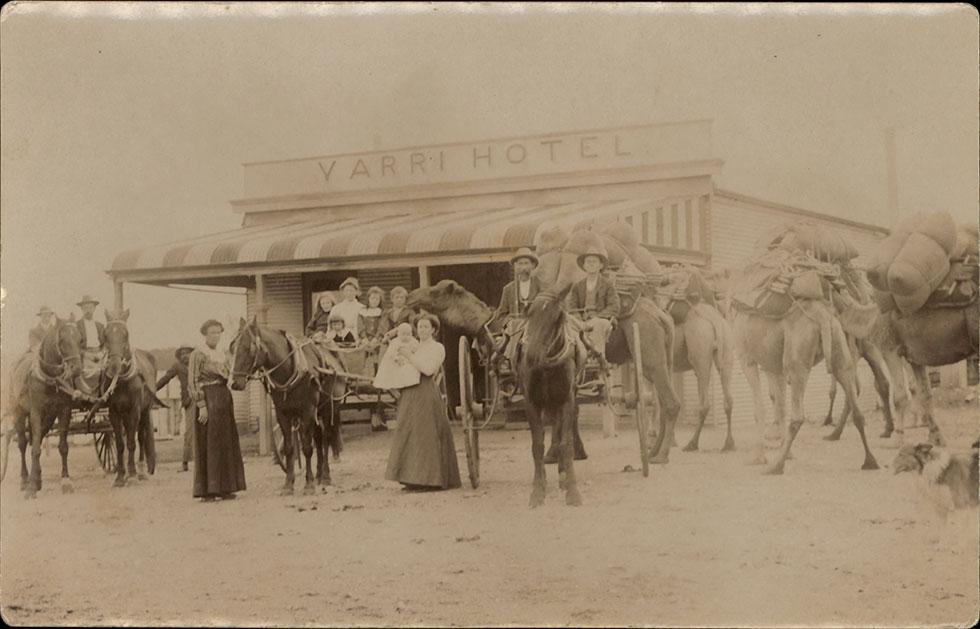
{"x":127,"y":362}
{"x":63,"y":361}
{"x":257,"y":372}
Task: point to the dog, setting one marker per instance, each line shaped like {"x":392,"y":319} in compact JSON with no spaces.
{"x":949,"y":481}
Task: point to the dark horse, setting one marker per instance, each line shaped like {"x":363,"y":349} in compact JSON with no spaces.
{"x":43,"y":391}
{"x":547,"y":369}
{"x":126,"y":385}
{"x":304,"y":396}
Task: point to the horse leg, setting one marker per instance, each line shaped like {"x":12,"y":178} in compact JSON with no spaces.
{"x":37,"y":434}
{"x":21,"y":424}
{"x":65,"y":420}
{"x":551,"y":457}
{"x":567,"y":417}
{"x":286,"y":428}
{"x":120,"y":444}
{"x":326,"y":432}
{"x":307,"y":423}
{"x":724,"y":368}
{"x":829,"y":419}
{"x":539,"y":483}
{"x":132,"y":422}
{"x":925,"y":397}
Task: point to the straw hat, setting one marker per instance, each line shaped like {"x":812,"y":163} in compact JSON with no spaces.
{"x":88,"y":299}
{"x":44,"y":310}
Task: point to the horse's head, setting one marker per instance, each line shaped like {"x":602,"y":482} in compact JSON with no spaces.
{"x":119,"y":354}
{"x":62,"y":345}
{"x":453,"y":304}
{"x":247,"y":352}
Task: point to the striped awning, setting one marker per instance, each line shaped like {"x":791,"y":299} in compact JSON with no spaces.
{"x":394,"y":235}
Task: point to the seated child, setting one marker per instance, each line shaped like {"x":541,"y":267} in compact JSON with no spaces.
{"x":393,"y":371}
{"x":337,"y":334}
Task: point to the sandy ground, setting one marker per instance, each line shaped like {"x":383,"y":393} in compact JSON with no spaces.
{"x":705,"y":540}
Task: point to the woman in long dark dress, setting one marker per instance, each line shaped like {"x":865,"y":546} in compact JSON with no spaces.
{"x":422,"y":453}
{"x":218,"y":467}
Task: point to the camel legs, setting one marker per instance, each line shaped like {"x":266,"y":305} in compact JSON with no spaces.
{"x":700,"y":352}
{"x":925,"y":397}
{"x":899,"y":391}
{"x":661,"y":378}
{"x":829,"y":419}
{"x":751,"y":371}
{"x":725,"y":368}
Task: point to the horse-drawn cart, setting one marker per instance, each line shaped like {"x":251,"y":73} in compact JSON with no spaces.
{"x":98,"y":426}
{"x":502,"y":393}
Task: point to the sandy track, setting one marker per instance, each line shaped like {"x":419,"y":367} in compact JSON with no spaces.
{"x":705,"y":540}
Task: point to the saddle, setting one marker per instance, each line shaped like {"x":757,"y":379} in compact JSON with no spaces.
{"x":777,"y":278}
{"x":960,"y":286}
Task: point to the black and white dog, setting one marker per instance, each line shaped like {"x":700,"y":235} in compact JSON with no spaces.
{"x":950,"y":481}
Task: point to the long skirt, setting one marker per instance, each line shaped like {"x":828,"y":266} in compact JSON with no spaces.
{"x":218,"y":465}
{"x":422,"y":452}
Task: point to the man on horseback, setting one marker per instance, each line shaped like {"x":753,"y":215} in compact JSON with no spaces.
{"x":515,"y":299}
{"x":93,"y":344}
{"x":37,"y":333}
{"x":594,"y":302}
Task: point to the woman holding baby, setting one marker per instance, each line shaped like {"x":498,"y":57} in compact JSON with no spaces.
{"x":422,"y":456}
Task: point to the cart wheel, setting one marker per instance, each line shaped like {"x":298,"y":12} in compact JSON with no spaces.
{"x":105,"y":449}
{"x":471,"y":433}
{"x":641,"y":405}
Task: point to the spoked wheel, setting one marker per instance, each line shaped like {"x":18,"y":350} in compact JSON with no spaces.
{"x":471,"y":434}
{"x":105,"y":450}
{"x":641,"y":404}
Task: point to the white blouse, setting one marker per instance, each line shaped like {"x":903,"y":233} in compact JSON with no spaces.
{"x":429,"y":356}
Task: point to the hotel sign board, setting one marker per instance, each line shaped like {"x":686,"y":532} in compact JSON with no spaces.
{"x":479,"y":161}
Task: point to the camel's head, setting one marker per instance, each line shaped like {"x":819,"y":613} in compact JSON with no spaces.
{"x":453,"y":304}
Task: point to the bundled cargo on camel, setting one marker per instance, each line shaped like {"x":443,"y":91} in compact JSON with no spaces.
{"x":927,"y":261}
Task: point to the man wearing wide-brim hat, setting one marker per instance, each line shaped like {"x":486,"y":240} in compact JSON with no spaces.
{"x":516,"y":298}
{"x":180,"y":370}
{"x":594,"y":300}
{"x":93,"y":342}
{"x":36,"y":334}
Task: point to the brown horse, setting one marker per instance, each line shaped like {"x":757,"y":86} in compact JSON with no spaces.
{"x":303,"y":395}
{"x":786,"y":349}
{"x":43,"y":390}
{"x":127,"y":387}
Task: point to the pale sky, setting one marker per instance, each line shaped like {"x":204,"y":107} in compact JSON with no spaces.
{"x":126,"y":130}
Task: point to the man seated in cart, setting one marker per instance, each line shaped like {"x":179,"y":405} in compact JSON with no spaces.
{"x":93,"y":345}
{"x":594,"y":302}
{"x":515,"y":299}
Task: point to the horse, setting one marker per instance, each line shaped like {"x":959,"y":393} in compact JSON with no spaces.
{"x":304,"y":385}
{"x":42,"y":390}
{"x":703,"y":339}
{"x":459,"y":309}
{"x":126,"y":387}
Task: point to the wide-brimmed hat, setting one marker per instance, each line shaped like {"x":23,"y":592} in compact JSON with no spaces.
{"x":44,"y":310}
{"x":88,"y":299}
{"x":353,"y":282}
{"x":592,"y":251}
{"x":525,"y":252}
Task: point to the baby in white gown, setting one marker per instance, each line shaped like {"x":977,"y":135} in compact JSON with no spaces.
{"x":394,"y":372}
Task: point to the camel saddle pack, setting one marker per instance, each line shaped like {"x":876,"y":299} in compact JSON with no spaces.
{"x":959,"y":288}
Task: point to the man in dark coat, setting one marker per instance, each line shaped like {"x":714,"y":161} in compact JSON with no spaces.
{"x":37,"y":333}
{"x":515,"y":299}
{"x":93,"y":342}
{"x":179,"y":370}
{"x":594,"y":300}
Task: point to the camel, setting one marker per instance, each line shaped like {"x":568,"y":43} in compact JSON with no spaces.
{"x":703,"y":339}
{"x":786,"y":349}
